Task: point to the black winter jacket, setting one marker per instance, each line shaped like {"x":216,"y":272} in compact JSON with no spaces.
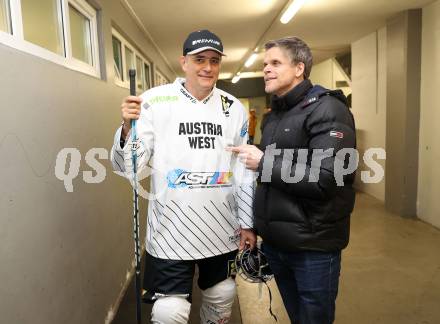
{"x":313,"y":213}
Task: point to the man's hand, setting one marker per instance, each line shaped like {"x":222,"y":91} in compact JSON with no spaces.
{"x":250,"y":155}
{"x":130,"y":109}
{"x":247,"y":237}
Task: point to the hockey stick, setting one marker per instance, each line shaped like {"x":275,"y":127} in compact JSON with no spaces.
{"x":132,"y":74}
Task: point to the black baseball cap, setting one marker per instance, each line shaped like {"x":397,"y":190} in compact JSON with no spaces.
{"x":202,"y":40}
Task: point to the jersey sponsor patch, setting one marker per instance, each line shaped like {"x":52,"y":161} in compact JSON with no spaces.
{"x":162,"y":99}
{"x":205,"y":101}
{"x":226,"y":104}
{"x":244,"y":129}
{"x":179,"y":178}
{"x":188,"y":95}
{"x":336,"y":134}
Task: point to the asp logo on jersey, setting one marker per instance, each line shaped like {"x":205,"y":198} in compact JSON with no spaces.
{"x":185,"y":179}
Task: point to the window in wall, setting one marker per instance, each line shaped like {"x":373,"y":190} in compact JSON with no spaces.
{"x":140,"y":77}
{"x":125,"y":57}
{"x":147,"y":74}
{"x":159,"y":79}
{"x":117,"y":58}
{"x":156,"y":79}
{"x":42,"y":24}
{"x":61,"y":31}
{"x":5,"y":16}
{"x":80,"y":35}
{"x":129,"y":62}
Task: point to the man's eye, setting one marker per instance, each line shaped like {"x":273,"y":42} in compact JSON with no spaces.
{"x":200,"y":60}
{"x":215,"y":61}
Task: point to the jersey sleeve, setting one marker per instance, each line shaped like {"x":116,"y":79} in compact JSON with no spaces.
{"x":244,"y":183}
{"x":121,"y":157}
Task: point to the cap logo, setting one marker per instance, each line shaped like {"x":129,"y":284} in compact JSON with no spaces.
{"x":209,"y":41}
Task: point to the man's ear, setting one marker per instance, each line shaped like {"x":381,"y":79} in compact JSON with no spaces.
{"x":299,"y":69}
{"x":182,"y":61}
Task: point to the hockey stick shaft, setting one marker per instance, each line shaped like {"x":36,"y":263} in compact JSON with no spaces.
{"x":132,"y":74}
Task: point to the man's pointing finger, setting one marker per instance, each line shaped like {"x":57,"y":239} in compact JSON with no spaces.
{"x":235,"y":149}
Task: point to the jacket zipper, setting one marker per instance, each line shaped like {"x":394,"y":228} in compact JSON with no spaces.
{"x":266,"y":214}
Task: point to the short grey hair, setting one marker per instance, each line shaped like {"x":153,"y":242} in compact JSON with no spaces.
{"x":296,"y":49}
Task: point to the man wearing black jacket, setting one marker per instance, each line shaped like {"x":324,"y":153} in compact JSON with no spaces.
{"x":304,"y":196}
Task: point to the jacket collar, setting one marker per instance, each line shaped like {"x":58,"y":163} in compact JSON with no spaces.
{"x":293,"y":97}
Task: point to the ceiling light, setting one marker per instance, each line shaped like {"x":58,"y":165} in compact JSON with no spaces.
{"x":251,"y":60}
{"x":225,"y":75}
{"x":291,"y":10}
{"x":235,"y":79}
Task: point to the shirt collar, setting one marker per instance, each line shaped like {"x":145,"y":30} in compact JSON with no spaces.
{"x":183,"y":91}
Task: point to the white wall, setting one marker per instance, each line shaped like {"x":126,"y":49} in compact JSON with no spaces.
{"x":369,"y":101}
{"x":428,"y":201}
{"x":64,"y":256}
{"x":327,"y":73}
{"x":322,"y":74}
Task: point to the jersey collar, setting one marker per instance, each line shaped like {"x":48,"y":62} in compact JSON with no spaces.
{"x":185,"y":93}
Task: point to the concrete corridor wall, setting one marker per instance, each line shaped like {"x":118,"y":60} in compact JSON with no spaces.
{"x":64,"y":256}
{"x":369,"y":102}
{"x":428,"y":202}
{"x":369,"y":78}
{"x":327,"y":74}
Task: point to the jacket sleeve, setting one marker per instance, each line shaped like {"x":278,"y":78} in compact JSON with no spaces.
{"x":121,"y":157}
{"x":310,"y":172}
{"x":244,"y":184}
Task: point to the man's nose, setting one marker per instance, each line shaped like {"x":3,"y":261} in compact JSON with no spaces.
{"x":266,"y":69}
{"x":208,"y":66}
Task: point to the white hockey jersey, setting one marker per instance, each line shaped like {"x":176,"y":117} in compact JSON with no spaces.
{"x":200,"y":194}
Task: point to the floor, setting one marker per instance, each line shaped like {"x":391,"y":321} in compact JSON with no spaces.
{"x":390,"y":275}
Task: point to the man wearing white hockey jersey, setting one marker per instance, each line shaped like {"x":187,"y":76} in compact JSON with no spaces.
{"x":202,"y":207}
